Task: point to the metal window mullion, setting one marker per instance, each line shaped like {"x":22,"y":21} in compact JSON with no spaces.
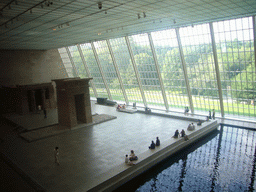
{"x":117,"y":72}
{"x":217,"y":69}
{"x":71,"y":61}
{"x":238,"y":53}
{"x":158,"y":71}
{"x":136,"y":71}
{"x":254,"y":38}
{"x":229,"y":81}
{"x":232,"y":48}
{"x":185,"y":71}
{"x":254,"y":44}
{"x":87,"y":69}
{"x":101,"y":71}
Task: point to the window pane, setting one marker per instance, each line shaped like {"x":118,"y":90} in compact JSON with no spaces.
{"x":236,"y":62}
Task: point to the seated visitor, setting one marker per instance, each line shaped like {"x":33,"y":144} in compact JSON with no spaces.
{"x":123,"y":106}
{"x":186,"y":110}
{"x":157,"y":141}
{"x":127,"y":161}
{"x":186,"y":137}
{"x":199,"y":122}
{"x":176,"y":134}
{"x":182,"y":133}
{"x":207,"y":118}
{"x":191,"y":127}
{"x":147,"y":110}
{"x":152,"y":146}
{"x":133,"y":156}
{"x":118,"y":107}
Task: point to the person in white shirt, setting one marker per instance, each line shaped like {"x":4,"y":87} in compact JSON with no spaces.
{"x":126,"y":160}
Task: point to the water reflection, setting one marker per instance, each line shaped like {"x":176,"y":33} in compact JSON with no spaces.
{"x":223,"y":161}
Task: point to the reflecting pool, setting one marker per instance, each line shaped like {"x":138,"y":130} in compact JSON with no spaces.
{"x":222,"y":161}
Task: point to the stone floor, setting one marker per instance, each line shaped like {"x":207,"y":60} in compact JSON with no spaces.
{"x":88,"y":152}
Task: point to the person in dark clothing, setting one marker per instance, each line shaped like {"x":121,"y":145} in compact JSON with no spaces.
{"x":213,"y":114}
{"x":157,"y":141}
{"x":45,"y":113}
{"x":152,"y":146}
{"x":182,"y":133}
{"x":176,"y":134}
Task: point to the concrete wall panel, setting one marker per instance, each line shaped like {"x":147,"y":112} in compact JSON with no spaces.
{"x":25,"y":67}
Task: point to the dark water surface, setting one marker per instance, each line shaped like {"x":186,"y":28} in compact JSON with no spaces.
{"x":222,"y":161}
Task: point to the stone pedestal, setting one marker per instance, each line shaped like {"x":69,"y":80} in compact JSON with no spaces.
{"x":73,"y":101}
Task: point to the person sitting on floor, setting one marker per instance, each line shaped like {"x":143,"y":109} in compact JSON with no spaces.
{"x":186,"y":137}
{"x":182,"y":133}
{"x":157,"y":141}
{"x":133,"y":156}
{"x":147,"y":110}
{"x":126,"y":160}
{"x":152,"y":146}
{"x":191,"y":127}
{"x":176,"y":134}
{"x":118,"y":107}
{"x":199,"y":122}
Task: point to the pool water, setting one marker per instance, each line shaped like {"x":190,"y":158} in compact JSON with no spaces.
{"x":223,"y":161}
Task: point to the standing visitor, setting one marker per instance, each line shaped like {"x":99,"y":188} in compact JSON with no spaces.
{"x":157,"y":141}
{"x":56,"y":155}
{"x":45,"y":114}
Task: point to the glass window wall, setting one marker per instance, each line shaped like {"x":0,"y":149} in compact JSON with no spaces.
{"x":123,"y":61}
{"x":198,"y":55}
{"x":109,"y":70}
{"x":168,"y":56}
{"x":234,"y":41}
{"x":235,"y":57}
{"x":147,"y":70}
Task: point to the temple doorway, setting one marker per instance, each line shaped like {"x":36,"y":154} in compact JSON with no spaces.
{"x":79,"y":104}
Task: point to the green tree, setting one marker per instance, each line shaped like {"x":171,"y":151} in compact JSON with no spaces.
{"x":245,"y":83}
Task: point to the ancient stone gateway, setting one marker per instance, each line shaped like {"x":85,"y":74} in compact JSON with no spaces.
{"x":73,"y":101}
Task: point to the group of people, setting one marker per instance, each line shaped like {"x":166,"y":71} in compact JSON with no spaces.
{"x":153,"y":145}
{"x":191,"y":127}
{"x":180,"y":134}
{"x":211,"y":115}
{"x":128,"y":159}
{"x":120,"y":107}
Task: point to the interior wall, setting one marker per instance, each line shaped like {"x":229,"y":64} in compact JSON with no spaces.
{"x":22,"y":67}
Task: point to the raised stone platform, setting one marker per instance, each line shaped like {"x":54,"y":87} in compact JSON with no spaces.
{"x":92,"y":158}
{"x":127,"y":110}
{"x":58,"y":129}
{"x":122,"y":173}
